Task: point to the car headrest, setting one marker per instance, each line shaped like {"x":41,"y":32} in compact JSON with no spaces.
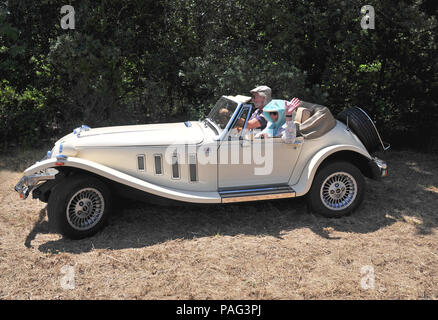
{"x":302,"y":115}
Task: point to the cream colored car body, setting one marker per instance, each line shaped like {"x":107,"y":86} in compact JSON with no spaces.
{"x":114,"y":153}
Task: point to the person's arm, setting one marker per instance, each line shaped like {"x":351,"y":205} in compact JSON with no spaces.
{"x":259,"y":121}
{"x":290,"y":107}
{"x":254,"y":123}
{"x":240,"y":123}
{"x":290,"y":132}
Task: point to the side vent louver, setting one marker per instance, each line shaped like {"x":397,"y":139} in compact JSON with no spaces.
{"x":193,"y":169}
{"x":158,"y":164}
{"x":140,"y":162}
{"x":175,"y":166}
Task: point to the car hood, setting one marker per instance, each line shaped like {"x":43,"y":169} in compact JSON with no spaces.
{"x":137,"y":135}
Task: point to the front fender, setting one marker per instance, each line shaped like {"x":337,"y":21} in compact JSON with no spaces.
{"x":306,"y":178}
{"x":125,"y":179}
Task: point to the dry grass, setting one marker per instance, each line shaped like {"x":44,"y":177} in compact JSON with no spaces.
{"x":262,"y":250}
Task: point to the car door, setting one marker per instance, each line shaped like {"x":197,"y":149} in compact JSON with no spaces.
{"x":244,"y":161}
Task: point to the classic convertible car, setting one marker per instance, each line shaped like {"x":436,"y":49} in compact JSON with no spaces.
{"x":214,"y":160}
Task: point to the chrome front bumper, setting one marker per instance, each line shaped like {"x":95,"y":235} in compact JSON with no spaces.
{"x":28,"y":183}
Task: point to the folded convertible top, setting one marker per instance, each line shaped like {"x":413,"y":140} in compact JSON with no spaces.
{"x":320,"y":121}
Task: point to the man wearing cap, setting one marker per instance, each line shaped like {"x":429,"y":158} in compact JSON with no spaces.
{"x":261,"y":96}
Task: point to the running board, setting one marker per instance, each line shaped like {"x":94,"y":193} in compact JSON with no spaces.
{"x":258,"y":193}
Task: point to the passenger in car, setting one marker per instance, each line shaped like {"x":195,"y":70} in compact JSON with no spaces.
{"x":279,"y":114}
{"x":261,"y":96}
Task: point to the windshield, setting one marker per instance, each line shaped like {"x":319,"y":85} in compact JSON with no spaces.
{"x":222,"y":112}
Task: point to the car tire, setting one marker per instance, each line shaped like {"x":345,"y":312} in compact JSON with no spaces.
{"x":337,"y":190}
{"x":362,"y":125}
{"x":80,"y":207}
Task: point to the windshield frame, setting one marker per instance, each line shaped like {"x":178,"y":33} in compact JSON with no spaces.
{"x":225,"y":131}
{"x":238,"y":116}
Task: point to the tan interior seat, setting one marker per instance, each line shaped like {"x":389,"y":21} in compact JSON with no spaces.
{"x":302,"y":115}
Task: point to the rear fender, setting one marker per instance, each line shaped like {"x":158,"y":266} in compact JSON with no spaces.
{"x":306,"y":178}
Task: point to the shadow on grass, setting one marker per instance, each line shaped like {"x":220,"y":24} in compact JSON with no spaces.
{"x":408,"y":195}
{"x":40,"y":226}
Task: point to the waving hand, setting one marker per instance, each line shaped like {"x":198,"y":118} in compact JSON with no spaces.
{"x":291,"y":106}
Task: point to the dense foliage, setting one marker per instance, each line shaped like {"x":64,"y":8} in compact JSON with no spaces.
{"x":141,"y":61}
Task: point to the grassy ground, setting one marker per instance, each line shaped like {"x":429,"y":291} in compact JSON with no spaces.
{"x":260,"y":250}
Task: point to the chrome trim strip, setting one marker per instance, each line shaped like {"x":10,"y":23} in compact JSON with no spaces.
{"x":267,"y":189}
{"x":259,"y":197}
{"x":258,"y":193}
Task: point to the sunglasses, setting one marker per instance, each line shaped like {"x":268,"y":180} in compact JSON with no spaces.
{"x":273,"y":113}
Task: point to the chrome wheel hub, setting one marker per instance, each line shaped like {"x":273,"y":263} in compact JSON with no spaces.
{"x":85,"y":209}
{"x":338,"y":191}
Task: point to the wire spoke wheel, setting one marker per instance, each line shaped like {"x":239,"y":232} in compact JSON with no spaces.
{"x":85,"y":209}
{"x":338,"y":191}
